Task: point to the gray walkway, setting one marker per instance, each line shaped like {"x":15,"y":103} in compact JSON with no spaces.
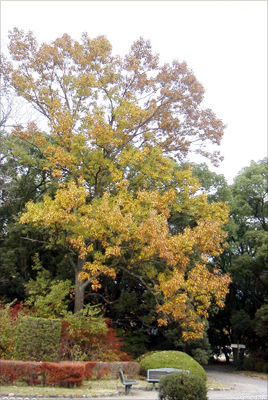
{"x":239,"y":386}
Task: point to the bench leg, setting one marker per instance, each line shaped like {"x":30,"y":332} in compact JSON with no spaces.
{"x":127,"y":389}
{"x":153,"y":385}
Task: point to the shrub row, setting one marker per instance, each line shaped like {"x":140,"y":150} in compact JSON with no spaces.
{"x":64,"y":374}
{"x":254,"y":364}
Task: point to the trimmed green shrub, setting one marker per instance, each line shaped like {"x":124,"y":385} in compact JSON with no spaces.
{"x":178,"y":386}
{"x":38,"y":339}
{"x":8,"y":327}
{"x":149,"y":353}
{"x":172,"y":359}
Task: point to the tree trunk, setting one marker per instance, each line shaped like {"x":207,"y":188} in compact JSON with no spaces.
{"x":227,"y":358}
{"x":79,"y":287}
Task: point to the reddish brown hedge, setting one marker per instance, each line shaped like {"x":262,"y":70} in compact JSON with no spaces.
{"x":25,"y":371}
{"x":64,"y":374}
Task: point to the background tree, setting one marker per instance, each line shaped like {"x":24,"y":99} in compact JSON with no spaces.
{"x":19,"y":182}
{"x":245,"y":259}
{"x":215,"y":185}
{"x":250,"y":211}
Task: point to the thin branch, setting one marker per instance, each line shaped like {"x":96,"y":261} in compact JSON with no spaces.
{"x":34,"y":240}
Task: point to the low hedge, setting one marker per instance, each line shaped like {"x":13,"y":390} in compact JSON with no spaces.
{"x":179,"y":386}
{"x":64,"y":374}
{"x":19,"y":371}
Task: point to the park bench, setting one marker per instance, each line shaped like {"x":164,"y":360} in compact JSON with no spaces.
{"x":126,"y":382}
{"x":154,"y":375}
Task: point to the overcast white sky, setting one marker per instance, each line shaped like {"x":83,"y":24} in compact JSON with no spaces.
{"x":223,"y":42}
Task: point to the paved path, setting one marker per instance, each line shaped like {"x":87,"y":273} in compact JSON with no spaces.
{"x":240,"y":387}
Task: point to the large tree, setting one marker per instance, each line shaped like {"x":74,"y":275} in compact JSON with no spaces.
{"x":114,"y":128}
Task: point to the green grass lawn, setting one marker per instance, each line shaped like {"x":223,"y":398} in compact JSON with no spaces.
{"x":93,"y":387}
{"x":216,"y":385}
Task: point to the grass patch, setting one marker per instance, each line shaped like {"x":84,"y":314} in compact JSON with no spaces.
{"x":252,"y":374}
{"x":89,"y":387}
{"x":92,"y":387}
{"x":216,"y":385}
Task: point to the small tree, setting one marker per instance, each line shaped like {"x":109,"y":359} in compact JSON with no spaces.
{"x":46,"y":296}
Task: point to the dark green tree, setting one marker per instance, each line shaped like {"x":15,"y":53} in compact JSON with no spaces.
{"x":246,"y":260}
{"x":21,"y":179}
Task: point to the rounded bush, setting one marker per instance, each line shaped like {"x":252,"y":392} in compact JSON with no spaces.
{"x":172,"y":359}
{"x":179,"y":386}
{"x":149,"y":353}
